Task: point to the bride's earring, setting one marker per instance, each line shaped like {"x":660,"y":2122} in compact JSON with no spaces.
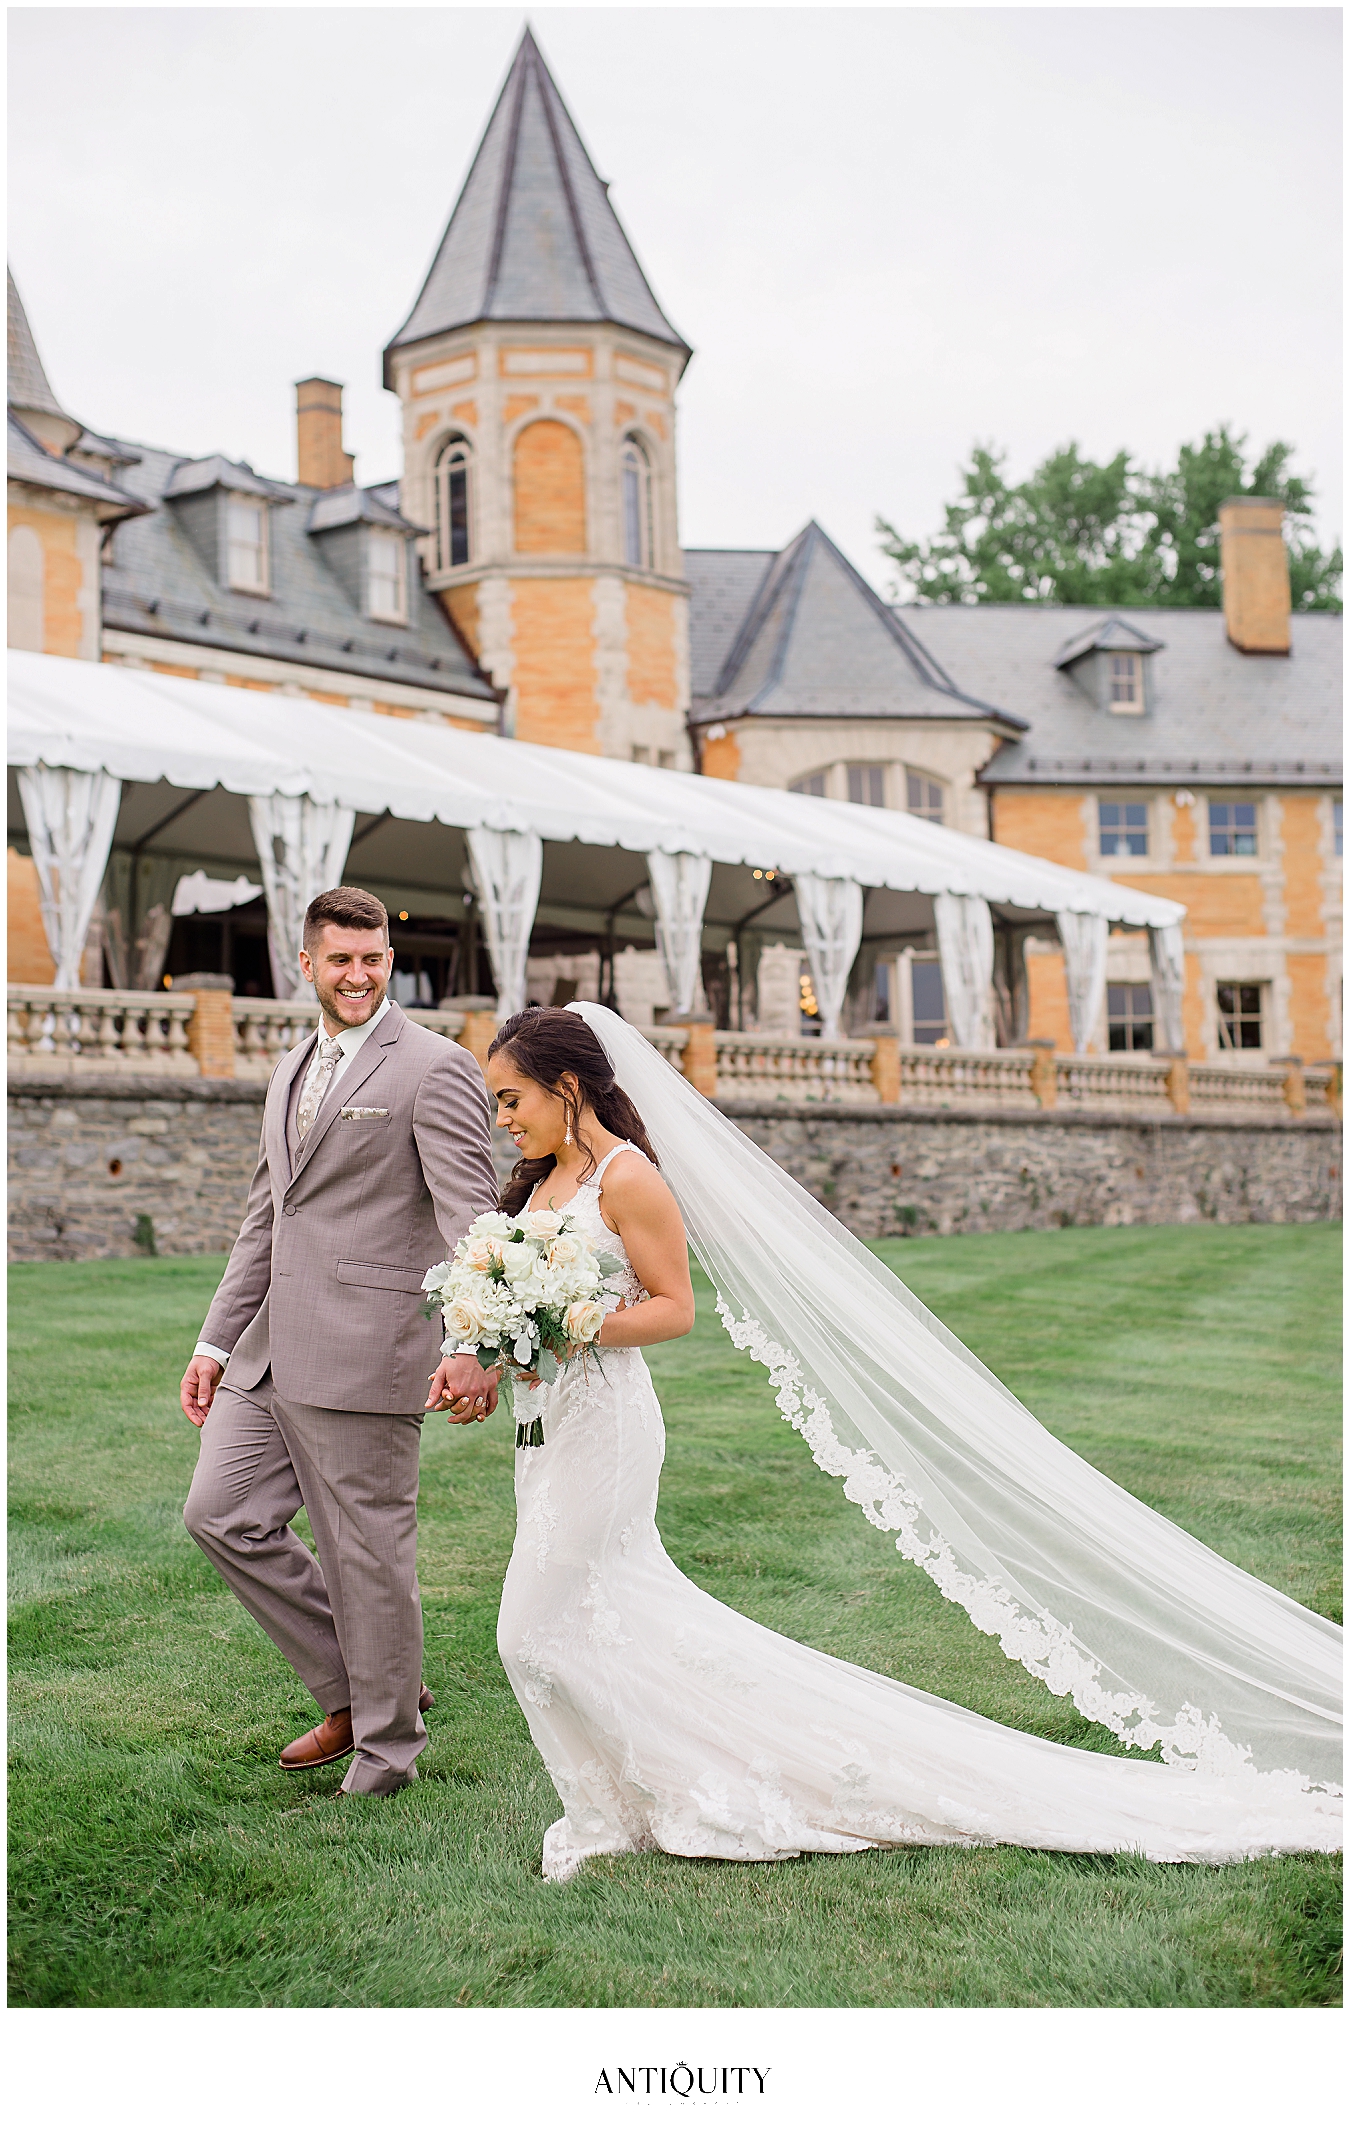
{"x":567,"y":1135}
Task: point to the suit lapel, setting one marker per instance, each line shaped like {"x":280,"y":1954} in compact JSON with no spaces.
{"x":278,"y":1103}
{"x":343,"y":1087}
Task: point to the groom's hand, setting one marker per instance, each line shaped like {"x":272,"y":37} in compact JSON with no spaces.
{"x":197,"y":1392}
{"x":461,"y":1386}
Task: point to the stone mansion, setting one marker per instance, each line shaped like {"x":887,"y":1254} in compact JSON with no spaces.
{"x":525,"y":573}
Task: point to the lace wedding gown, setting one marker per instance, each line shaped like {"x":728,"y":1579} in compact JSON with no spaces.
{"x":668,"y":1721}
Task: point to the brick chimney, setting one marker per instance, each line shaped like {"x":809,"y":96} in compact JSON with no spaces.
{"x":320,"y":458}
{"x":1255,"y":576}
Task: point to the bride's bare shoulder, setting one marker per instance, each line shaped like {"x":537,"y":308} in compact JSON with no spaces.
{"x":633,"y":1186}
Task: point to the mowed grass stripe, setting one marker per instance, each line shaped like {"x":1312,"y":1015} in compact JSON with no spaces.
{"x":161,"y":1858}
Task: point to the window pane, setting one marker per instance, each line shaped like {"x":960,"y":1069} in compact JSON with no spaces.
{"x":928,"y":1003}
{"x":810,"y":786}
{"x":1337,"y":823}
{"x":1129,"y":1016}
{"x":923,"y":797}
{"x":867,"y":783}
{"x":452,"y":504}
{"x":881,"y":995}
{"x":1122,"y":829}
{"x":386,"y":576}
{"x":1239,"y":1017}
{"x":1126,"y":682}
{"x":1232,"y":830}
{"x":247,"y":540}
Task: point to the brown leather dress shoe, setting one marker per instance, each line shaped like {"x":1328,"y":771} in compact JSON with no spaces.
{"x":426,"y":1699}
{"x":329,"y":1740}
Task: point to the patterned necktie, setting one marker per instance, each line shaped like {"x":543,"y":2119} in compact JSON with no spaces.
{"x":321,"y":1068}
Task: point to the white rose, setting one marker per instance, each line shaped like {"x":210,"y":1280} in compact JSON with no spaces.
{"x":518,"y":1261}
{"x":479,"y":1254}
{"x":462,"y":1323}
{"x":541,"y":1223}
{"x":584,"y":1320}
{"x":493,"y":1225}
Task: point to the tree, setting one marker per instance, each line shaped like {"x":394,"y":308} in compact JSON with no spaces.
{"x":1080,"y":532}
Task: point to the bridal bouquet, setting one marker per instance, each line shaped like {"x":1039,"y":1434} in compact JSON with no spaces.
{"x":526,"y":1292}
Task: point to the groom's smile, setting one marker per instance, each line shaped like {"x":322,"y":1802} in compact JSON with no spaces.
{"x":350,"y":970}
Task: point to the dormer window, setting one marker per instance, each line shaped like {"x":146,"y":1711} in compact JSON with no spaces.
{"x":387,"y":576}
{"x":866,"y":783}
{"x":636,"y":478}
{"x":246,"y":545}
{"x":1125,"y":684}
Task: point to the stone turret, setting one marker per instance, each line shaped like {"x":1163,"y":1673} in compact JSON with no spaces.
{"x":537,"y":374}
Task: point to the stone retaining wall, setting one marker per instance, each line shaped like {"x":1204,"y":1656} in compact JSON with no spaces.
{"x":91,"y":1154}
{"x":897,"y":1171}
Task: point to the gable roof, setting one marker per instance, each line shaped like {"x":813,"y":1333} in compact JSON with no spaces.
{"x":1213,"y":713}
{"x":816,"y":640}
{"x":533,"y":236}
{"x":1112,"y":633}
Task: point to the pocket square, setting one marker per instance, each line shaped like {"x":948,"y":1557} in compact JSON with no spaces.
{"x":362,"y":1111}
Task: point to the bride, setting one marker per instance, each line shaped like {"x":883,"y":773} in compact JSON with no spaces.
{"x":668,"y":1721}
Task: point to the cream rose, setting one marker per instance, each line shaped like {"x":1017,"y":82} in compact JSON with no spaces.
{"x":462,"y":1323}
{"x":540,"y":1223}
{"x":584,"y":1320}
{"x":479,"y":1254}
{"x":567,"y":1253}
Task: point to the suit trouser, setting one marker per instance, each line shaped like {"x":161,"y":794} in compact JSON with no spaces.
{"x":351,"y":1624}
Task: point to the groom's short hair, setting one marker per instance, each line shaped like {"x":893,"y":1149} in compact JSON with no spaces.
{"x":349,"y":907}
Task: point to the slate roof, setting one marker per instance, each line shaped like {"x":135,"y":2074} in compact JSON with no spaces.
{"x":813,"y":639}
{"x":29,"y":387}
{"x":29,"y":461}
{"x":533,"y":236}
{"x":158,"y":583}
{"x":1214,"y":713}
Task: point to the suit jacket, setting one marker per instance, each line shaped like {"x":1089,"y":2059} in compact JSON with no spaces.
{"x":325,"y":1280}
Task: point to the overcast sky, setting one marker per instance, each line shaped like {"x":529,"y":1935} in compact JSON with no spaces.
{"x":887,"y":232}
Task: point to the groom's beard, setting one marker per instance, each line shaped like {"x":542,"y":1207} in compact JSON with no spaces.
{"x":346,"y":1014}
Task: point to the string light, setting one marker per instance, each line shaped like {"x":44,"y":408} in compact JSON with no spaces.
{"x":403,"y":917}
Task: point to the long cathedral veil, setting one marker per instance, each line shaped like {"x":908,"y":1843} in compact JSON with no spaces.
{"x":1148,"y":1631}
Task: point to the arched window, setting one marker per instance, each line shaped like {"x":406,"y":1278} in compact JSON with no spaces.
{"x":453,"y":466}
{"x":636,"y":479}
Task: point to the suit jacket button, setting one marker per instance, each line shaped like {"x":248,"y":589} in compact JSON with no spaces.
{"x":290,"y":1208}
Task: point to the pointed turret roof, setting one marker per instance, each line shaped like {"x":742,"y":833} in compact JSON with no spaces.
{"x":30,"y":391}
{"x":533,"y":236}
{"x":818,"y":641}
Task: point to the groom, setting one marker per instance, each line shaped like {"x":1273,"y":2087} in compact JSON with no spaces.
{"x":310,"y":1376}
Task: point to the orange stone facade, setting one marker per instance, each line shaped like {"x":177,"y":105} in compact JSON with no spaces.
{"x":1270,"y":922}
{"x":590,"y":643}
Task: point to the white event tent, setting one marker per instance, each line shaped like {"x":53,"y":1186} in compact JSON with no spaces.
{"x":105,"y":758}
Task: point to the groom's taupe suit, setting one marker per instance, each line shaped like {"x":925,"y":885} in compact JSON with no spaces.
{"x":321,"y":1403}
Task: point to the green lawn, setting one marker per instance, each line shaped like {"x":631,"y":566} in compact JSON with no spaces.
{"x":160,"y":1858}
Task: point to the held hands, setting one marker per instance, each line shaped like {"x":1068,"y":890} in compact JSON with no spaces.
{"x":460,"y":1386}
{"x":198,"y":1389}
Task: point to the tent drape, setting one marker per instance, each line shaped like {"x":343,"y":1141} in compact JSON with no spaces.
{"x":1084,"y":942}
{"x":679,"y":884}
{"x":965,"y":937}
{"x":831,"y":913}
{"x":506,"y":869}
{"x":71,"y":817}
{"x":1167,"y":955}
{"x":302,"y":849}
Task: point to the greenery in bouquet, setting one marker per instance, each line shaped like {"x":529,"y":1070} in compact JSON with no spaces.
{"x":526,"y":1294}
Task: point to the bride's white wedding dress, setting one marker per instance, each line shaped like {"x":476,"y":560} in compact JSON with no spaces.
{"x":667,"y":1721}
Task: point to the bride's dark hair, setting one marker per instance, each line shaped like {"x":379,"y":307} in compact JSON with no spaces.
{"x":545,"y":1043}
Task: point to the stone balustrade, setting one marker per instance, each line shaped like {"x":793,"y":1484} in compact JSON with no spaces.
{"x":64,"y":1032}
{"x":264,"y":1029}
{"x":148,"y":1033}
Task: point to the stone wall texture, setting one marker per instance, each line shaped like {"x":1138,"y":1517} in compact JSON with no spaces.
{"x":90,"y":1155}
